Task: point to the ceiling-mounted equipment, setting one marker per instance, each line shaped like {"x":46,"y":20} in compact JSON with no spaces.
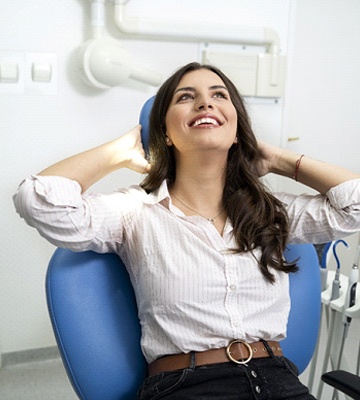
{"x":104,"y":62}
{"x":255,"y":74}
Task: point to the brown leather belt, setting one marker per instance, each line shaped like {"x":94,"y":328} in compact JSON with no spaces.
{"x":237,"y":351}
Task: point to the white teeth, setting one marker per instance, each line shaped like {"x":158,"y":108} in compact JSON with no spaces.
{"x":205,"y":121}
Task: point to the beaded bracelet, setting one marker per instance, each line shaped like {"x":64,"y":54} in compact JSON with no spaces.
{"x":297,"y":166}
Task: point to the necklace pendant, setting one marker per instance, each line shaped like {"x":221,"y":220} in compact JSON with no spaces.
{"x":211,"y":220}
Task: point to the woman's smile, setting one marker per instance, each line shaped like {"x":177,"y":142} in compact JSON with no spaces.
{"x":205,"y":121}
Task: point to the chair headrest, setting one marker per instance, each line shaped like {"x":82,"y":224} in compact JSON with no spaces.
{"x":144,"y":120}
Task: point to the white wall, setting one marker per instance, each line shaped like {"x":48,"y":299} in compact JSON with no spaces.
{"x":320,"y":106}
{"x":323,"y":89}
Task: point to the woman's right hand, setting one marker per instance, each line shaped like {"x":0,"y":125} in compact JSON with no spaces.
{"x":92,"y":165}
{"x":132,"y":154}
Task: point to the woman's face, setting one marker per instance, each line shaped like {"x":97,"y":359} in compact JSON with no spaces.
{"x":201,"y":115}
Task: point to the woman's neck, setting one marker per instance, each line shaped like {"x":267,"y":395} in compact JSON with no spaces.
{"x":200,"y":183}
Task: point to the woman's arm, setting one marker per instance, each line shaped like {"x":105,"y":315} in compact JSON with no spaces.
{"x":53,"y":202}
{"x":90,"y":166}
{"x":316,"y":174}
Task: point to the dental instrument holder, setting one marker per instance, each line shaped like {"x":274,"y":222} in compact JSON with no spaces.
{"x":341,"y":304}
{"x":350,"y":298}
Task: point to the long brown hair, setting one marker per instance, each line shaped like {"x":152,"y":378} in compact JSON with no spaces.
{"x":258,"y":218}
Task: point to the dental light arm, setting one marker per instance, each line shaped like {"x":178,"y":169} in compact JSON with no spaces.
{"x":106,"y":63}
{"x":183,"y":31}
{"x":97,"y":18}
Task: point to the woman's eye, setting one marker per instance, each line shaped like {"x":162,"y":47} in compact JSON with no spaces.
{"x":222,"y":95}
{"x":186,"y":96}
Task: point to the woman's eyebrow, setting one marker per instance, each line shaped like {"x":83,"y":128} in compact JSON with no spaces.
{"x":185,"y":89}
{"x":192,"y":89}
{"x":218,"y":87}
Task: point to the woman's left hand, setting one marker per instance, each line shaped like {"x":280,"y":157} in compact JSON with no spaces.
{"x":269,"y":156}
{"x":316,"y":174}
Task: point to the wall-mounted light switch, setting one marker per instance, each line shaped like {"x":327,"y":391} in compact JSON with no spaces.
{"x":9,"y":72}
{"x":12,"y":77}
{"x":28,"y":73}
{"x":41,"y":71}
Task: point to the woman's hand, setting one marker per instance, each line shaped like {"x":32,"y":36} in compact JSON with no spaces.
{"x":315,"y":174}
{"x":92,"y":165}
{"x":269,"y":156}
{"x":131,"y":151}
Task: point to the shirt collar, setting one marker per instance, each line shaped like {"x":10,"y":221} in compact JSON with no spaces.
{"x":160,"y":195}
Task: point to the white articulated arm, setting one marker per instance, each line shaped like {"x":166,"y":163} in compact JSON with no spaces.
{"x":187,"y":32}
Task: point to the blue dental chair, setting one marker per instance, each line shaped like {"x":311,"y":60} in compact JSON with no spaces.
{"x":94,"y":316}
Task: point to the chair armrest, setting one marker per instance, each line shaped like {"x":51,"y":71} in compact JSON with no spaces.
{"x":346,"y":382}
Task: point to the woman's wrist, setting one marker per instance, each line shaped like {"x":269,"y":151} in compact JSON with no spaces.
{"x":286,"y":163}
{"x":316,"y":174}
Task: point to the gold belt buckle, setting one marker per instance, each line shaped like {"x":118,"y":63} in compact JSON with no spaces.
{"x":231,"y":358}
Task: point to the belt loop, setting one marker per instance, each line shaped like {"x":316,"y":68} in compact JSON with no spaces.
{"x":192,"y":360}
{"x":268,"y":348}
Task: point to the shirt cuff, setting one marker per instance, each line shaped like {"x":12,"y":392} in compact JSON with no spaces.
{"x":345,"y":195}
{"x":57,"y":190}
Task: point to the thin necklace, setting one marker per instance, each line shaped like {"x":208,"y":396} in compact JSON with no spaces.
{"x":212,"y":219}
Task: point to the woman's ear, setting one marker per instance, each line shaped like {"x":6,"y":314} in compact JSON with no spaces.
{"x":168,"y":141}
{"x":236,"y":140}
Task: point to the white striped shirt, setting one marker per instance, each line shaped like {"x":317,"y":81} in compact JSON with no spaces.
{"x":192,"y":292}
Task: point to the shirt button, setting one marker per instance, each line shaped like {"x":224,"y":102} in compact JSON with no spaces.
{"x":258,"y":389}
{"x":236,"y":324}
{"x":254,"y":374}
{"x":232,"y":287}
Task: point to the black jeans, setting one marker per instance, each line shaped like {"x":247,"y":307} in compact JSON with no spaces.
{"x":273,"y":378}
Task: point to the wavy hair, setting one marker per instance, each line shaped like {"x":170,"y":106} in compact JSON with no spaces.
{"x":259,"y":219}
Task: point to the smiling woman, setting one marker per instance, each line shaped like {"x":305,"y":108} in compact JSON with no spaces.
{"x":215,"y":164}
{"x":201,"y":102}
{"x":202,"y":238}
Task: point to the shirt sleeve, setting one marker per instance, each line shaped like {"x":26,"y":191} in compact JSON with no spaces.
{"x":66,"y":218}
{"x":323,"y":218}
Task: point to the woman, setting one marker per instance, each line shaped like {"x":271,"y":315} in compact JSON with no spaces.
{"x":201,"y":237}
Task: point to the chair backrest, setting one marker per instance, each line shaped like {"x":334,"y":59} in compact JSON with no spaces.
{"x":94,"y":316}
{"x":305,"y":313}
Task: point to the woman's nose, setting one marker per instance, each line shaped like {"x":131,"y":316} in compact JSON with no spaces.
{"x":203,"y":104}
